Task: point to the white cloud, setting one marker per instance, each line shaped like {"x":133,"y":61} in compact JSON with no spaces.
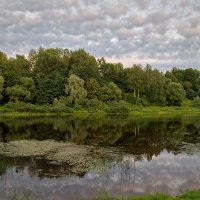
{"x":159,"y":32}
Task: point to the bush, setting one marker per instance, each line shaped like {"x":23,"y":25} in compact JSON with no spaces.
{"x":196,"y":102}
{"x":129,"y":97}
{"x":27,"y":107}
{"x":117,"y":107}
{"x":85,"y":103}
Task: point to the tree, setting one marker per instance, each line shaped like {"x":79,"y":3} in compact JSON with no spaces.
{"x":1,"y":87}
{"x":28,"y":84}
{"x":18,"y":93}
{"x":25,"y":91}
{"x":75,"y":89}
{"x":50,"y":69}
{"x":135,"y":80}
{"x":14,"y":68}
{"x":111,"y":92}
{"x":93,"y":89}
{"x":84,"y":65}
{"x":175,"y":94}
{"x":112,"y":73}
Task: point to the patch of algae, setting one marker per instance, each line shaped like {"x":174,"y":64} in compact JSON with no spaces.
{"x":80,"y":158}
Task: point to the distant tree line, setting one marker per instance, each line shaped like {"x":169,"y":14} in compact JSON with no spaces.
{"x":68,"y":78}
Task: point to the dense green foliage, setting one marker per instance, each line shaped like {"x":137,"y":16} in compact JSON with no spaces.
{"x":64,"y":78}
{"x":1,"y":87}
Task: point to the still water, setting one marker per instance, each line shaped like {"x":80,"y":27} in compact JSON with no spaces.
{"x":158,"y":154}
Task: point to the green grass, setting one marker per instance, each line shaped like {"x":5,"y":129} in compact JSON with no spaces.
{"x":194,"y":195}
{"x":26,"y":110}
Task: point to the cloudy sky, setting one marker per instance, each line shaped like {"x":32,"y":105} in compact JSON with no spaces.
{"x":163,"y":33}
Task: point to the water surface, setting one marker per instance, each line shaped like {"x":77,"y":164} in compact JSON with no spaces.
{"x":159,"y":154}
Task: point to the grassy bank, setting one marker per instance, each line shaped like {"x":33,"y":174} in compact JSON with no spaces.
{"x":194,"y":195}
{"x":23,"y":109}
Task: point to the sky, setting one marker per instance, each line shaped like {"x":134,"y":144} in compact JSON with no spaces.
{"x":162,"y":33}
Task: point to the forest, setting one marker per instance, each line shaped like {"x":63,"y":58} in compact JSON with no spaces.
{"x":64,"y":79}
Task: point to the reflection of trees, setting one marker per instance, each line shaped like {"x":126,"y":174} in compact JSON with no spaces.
{"x":123,"y":172}
{"x":139,"y":136}
{"x":36,"y":167}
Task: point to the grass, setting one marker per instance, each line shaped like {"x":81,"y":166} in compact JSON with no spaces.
{"x":193,"y":195}
{"x":21,"y":109}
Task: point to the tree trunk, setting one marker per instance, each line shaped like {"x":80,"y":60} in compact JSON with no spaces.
{"x":134,"y":93}
{"x":138,"y":94}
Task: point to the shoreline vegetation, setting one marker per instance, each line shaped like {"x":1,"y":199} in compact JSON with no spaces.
{"x":122,"y":108}
{"x":59,"y":81}
{"x":190,"y":195}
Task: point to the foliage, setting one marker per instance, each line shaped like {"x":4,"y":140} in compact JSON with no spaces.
{"x":49,"y":71}
{"x":41,"y":79}
{"x":31,"y":108}
{"x":135,"y":80}
{"x":84,"y":65}
{"x":18,"y":93}
{"x":175,"y":94}
{"x":75,"y":89}
{"x":93,"y":89}
{"x":23,"y":92}
{"x":118,"y":108}
{"x":111,"y":92}
{"x":1,"y":87}
{"x":196,"y":102}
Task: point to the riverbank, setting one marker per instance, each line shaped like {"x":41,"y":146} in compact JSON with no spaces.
{"x":25,"y":110}
{"x":192,"y":195}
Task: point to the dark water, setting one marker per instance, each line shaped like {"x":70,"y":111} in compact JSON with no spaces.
{"x":160,"y":154}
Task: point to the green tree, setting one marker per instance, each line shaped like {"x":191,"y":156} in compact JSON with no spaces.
{"x":135,"y":80}
{"x":111,"y":92}
{"x":14,"y":68}
{"x":25,"y":91}
{"x":93,"y":89}
{"x":75,"y":89}
{"x":112,"y":73}
{"x":18,"y":93}
{"x":50,"y":69}
{"x":84,"y":65}
{"x":175,"y":94}
{"x":1,"y":87}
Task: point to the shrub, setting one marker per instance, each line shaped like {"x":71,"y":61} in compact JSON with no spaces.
{"x":27,"y":107}
{"x":196,"y":102}
{"x":117,"y":107}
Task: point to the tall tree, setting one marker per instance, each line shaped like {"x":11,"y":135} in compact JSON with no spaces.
{"x":14,"y":68}
{"x":84,"y":65}
{"x":75,"y":89}
{"x":49,"y":72}
{"x":135,"y":80}
{"x":111,"y":72}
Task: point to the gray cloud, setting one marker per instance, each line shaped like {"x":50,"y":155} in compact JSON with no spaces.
{"x":163,"y":33}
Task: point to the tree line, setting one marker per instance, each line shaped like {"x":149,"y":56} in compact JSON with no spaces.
{"x":68,"y":78}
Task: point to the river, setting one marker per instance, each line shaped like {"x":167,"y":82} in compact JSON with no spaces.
{"x":154,"y":154}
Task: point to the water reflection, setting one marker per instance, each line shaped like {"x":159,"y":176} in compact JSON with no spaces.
{"x":138,"y":135}
{"x":166,"y":173}
{"x":155,"y":158}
